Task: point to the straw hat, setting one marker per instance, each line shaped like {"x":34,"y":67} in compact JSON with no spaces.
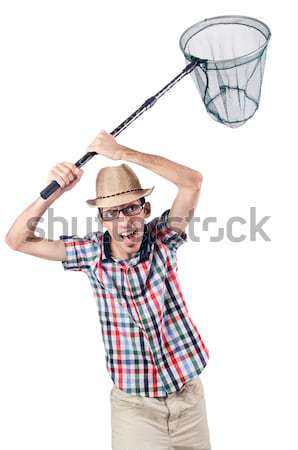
{"x":116,"y":185}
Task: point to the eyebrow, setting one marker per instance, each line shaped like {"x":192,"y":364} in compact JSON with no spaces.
{"x":125,"y":205}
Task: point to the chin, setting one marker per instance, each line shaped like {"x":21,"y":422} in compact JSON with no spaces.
{"x":131,"y":244}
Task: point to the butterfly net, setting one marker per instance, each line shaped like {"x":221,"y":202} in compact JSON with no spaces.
{"x":231,"y":53}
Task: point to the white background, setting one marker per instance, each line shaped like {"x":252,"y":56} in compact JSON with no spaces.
{"x":72,"y":68}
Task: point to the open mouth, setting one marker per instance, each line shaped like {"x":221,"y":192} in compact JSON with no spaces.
{"x":128,"y":235}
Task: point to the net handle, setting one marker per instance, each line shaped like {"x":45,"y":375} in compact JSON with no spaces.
{"x":53,"y":186}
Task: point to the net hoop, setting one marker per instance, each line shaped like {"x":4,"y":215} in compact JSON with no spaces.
{"x":215,"y":64}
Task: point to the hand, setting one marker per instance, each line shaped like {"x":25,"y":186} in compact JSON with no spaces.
{"x":66,"y":174}
{"x":105,"y":144}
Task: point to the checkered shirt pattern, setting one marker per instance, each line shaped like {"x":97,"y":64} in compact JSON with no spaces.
{"x":152,"y":346}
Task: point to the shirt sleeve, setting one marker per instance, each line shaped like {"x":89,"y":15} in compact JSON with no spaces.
{"x":161,"y":229}
{"x":81,"y":252}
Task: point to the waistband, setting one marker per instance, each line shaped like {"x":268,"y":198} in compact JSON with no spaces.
{"x":185,"y":386}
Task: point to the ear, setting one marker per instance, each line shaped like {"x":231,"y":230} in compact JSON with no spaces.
{"x":147,"y":210}
{"x":98,"y":217}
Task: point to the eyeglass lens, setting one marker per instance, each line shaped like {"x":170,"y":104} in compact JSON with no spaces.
{"x":130,"y":210}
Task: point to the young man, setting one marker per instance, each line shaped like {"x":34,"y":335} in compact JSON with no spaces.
{"x":154,"y":352}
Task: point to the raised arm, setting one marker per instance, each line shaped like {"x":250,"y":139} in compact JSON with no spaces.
{"x":21,"y":235}
{"x":187,"y":180}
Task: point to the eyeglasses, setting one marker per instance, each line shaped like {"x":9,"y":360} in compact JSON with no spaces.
{"x":130,"y":210}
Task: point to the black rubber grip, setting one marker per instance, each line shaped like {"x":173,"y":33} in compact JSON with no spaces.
{"x":52,"y":187}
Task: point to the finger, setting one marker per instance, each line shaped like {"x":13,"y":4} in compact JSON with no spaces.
{"x":101,"y":135}
{"x":94,"y":143}
{"x":68,"y":175}
{"x":93,"y":147}
{"x":56,"y":177}
{"x":98,"y":136}
{"x":74,"y":169}
{"x":79,"y":174}
{"x":78,"y":178}
{"x":57,"y":171}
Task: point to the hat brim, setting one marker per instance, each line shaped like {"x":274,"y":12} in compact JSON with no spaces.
{"x":120,"y":199}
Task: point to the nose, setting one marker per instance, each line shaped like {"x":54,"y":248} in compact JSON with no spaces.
{"x":124,"y":220}
{"x":127,"y":221}
{"x":123,"y":217}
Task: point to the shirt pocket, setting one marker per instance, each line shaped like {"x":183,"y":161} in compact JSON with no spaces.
{"x":109,"y":282}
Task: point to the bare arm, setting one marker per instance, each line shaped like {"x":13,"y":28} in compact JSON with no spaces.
{"x":187,"y":180}
{"x":21,"y":235}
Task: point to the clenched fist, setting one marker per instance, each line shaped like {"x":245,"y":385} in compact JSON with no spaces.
{"x":66,"y":174}
{"x":105,"y":144}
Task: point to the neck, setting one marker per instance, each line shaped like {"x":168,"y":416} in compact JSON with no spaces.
{"x":120,"y":253}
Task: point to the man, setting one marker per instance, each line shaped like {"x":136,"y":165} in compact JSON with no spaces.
{"x":154,"y":352}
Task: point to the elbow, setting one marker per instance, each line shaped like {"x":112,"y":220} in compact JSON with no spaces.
{"x":197,"y":182}
{"x":11,"y":242}
{"x":192,"y":183}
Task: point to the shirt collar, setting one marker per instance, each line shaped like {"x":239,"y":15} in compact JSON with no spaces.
{"x":142,"y":254}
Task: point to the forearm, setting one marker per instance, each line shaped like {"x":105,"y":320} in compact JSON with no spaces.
{"x":178,"y":174}
{"x":25,"y":224}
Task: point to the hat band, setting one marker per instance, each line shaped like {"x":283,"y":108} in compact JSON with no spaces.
{"x":118,"y":193}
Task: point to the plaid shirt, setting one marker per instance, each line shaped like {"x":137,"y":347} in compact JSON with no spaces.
{"x":152,"y":345}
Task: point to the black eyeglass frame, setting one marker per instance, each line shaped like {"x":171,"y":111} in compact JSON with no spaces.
{"x":142,"y":200}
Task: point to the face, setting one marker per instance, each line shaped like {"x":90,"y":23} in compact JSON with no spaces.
{"x":127,"y":231}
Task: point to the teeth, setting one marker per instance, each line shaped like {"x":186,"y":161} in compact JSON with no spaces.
{"x":127,"y":233}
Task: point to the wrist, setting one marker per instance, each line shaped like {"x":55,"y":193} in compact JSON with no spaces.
{"x":121,"y":151}
{"x":129,"y":154}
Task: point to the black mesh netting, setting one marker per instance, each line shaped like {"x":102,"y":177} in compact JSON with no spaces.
{"x":231,"y":53}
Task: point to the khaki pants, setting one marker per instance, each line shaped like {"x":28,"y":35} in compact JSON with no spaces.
{"x":176,"y":422}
